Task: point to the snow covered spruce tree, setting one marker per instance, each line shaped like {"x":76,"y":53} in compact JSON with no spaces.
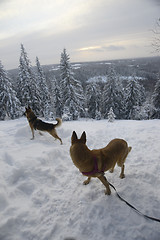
{"x":43,"y":90}
{"x":135,"y":96}
{"x":57,"y":98}
{"x":28,"y":89}
{"x":10,"y":106}
{"x":71,"y":89}
{"x":113,"y":95}
{"x":93,"y":96}
{"x":146,"y":111}
{"x":111,"y":115}
{"x":156,"y":100}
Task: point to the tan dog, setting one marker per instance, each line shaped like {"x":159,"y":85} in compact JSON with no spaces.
{"x":37,"y":124}
{"x":93,"y":163}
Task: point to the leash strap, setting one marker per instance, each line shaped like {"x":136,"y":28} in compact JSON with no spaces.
{"x":122,"y":199}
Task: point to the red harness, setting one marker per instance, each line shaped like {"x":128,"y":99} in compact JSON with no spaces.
{"x":95,"y":169}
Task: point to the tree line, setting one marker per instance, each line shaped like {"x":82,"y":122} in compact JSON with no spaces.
{"x":65,"y":96}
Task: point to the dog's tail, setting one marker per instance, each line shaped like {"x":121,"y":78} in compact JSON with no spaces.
{"x":59,"y":122}
{"x":129,"y":149}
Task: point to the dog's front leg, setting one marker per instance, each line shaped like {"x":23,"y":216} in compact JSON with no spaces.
{"x":106,"y":184}
{"x":32,"y":130}
{"x":32,"y":134}
{"x":87,"y":181}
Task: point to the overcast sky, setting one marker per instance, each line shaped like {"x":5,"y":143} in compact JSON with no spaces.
{"x":90,"y":30}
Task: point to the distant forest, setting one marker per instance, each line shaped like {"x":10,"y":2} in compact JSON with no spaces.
{"x":130,"y":88}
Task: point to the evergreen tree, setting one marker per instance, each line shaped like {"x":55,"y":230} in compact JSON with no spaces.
{"x":120,"y":100}
{"x":93,"y":101}
{"x":111,"y":115}
{"x":145,"y":111}
{"x":113,"y":95}
{"x":135,"y":96}
{"x":43,"y":90}
{"x":9,"y":104}
{"x":156,"y":100}
{"x":28,"y":88}
{"x":57,"y":98}
{"x":72,"y":92}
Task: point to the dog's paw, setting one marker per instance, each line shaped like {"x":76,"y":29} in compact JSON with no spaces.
{"x":108,"y":191}
{"x":86,"y":182}
{"x":122,"y":176}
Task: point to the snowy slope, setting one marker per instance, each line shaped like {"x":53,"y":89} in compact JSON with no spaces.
{"x":41,"y":191}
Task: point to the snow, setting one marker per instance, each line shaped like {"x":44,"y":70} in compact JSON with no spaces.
{"x":41,"y":192}
{"x":54,"y":68}
{"x":97,"y":79}
{"x":76,"y":66}
{"x":103,"y":79}
{"x":129,"y":78}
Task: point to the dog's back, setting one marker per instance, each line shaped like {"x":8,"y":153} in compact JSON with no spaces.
{"x":44,"y":126}
{"x":115,"y":152}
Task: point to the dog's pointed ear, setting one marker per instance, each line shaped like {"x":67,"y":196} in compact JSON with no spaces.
{"x":83,"y":137}
{"x":74,"y":137}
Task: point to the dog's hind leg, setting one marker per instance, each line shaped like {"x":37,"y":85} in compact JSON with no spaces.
{"x":106,"y":184}
{"x":87,"y":181}
{"x":120,"y":163}
{"x":122,"y":175}
{"x":59,"y":139}
{"x":54,"y":134}
{"x":112,"y":168}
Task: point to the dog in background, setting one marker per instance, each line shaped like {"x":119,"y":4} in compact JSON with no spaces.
{"x":37,"y":124}
{"x":93,"y":163}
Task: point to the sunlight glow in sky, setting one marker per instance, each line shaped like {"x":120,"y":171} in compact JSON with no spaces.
{"x":90,"y":30}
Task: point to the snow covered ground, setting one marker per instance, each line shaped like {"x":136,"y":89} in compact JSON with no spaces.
{"x":41,"y":191}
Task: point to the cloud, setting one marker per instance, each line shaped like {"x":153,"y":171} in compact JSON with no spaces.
{"x":156,"y":1}
{"x":4,"y":1}
{"x":51,"y":17}
{"x":91,"y":48}
{"x":88,"y":29}
{"x":114,"y":48}
{"x":103,"y":48}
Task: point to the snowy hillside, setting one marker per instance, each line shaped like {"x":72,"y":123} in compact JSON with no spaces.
{"x":41,"y":191}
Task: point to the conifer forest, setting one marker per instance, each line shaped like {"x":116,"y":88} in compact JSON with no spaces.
{"x":122,"y":89}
